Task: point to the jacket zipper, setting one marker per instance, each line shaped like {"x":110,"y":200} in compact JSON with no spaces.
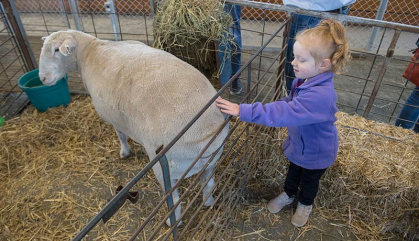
{"x":302,"y":152}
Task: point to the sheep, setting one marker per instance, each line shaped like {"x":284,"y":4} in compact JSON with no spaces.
{"x":147,"y":95}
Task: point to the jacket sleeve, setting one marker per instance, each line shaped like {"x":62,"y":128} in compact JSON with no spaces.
{"x":286,"y":99}
{"x":307,"y":108}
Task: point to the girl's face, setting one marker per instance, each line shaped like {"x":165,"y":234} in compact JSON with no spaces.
{"x":304,"y":64}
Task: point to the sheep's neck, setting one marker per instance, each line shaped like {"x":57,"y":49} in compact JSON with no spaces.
{"x":83,"y":41}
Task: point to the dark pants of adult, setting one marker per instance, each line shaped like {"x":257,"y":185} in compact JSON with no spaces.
{"x":409,"y":115}
{"x":300,"y":22}
{"x":309,"y":180}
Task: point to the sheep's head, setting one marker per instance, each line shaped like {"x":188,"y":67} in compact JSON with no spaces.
{"x":55,"y":57}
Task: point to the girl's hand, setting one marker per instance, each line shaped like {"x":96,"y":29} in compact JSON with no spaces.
{"x":228,"y":107}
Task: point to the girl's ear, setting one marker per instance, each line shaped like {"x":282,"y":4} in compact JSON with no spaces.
{"x":326,"y":65}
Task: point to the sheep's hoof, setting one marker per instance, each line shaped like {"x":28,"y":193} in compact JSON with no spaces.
{"x":209,"y":201}
{"x":168,"y":223}
{"x":124,"y":154}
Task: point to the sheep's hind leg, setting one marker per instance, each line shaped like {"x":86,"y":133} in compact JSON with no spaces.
{"x":125,"y":150}
{"x":175,"y":195}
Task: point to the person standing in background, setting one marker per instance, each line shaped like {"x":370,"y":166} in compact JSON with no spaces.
{"x":409,"y":115}
{"x":229,"y":54}
{"x":300,"y":22}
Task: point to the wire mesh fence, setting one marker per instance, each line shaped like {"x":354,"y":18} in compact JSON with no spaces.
{"x":12,"y":66}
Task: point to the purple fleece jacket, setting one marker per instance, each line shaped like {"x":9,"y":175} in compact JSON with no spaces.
{"x":309,"y":114}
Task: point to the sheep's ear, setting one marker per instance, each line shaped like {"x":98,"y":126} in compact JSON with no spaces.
{"x":66,"y":46}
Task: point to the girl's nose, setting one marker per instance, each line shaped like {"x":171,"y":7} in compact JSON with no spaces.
{"x":293,"y":62}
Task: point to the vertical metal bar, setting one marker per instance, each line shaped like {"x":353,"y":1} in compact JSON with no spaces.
{"x":380,"y":15}
{"x":146,"y":29}
{"x":151,"y":2}
{"x":263,"y":38}
{"x":64,"y":12}
{"x":43,"y":16}
{"x":167,"y":186}
{"x":19,"y":33}
{"x":75,"y":13}
{"x":246,"y":158}
{"x":110,"y":9}
{"x":398,"y":100}
{"x":249,"y":81}
{"x":370,"y":72}
{"x":281,"y":68}
{"x":390,"y":52}
{"x":93,"y":20}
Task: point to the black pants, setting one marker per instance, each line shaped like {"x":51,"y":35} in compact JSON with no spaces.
{"x":309,"y":180}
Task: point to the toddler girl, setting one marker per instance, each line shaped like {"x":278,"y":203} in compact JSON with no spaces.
{"x":308,"y":113}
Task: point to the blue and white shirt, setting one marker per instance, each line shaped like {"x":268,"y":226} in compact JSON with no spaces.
{"x":318,"y":5}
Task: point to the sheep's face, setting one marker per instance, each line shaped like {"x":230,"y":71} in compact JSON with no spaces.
{"x":55,"y":57}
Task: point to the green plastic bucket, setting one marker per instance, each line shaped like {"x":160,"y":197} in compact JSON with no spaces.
{"x":44,"y":96}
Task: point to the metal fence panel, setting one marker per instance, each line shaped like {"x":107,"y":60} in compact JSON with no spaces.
{"x":12,"y":66}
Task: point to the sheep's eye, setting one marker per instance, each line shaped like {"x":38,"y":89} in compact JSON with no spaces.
{"x":56,"y":50}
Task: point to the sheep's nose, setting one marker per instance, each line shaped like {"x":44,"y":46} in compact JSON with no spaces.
{"x":43,"y":79}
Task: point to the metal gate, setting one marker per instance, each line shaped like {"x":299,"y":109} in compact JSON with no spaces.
{"x":13,"y":64}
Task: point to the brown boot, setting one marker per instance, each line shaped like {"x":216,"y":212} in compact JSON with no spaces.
{"x":300,"y":216}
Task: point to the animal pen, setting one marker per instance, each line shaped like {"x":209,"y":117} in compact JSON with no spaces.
{"x":63,"y":180}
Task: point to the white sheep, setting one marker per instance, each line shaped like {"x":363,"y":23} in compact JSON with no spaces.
{"x":147,"y":94}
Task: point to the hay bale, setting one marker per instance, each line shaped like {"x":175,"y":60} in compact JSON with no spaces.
{"x":373,"y":187}
{"x":190,"y":30}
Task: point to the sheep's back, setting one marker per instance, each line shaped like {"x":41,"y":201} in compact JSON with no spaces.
{"x":151,"y":95}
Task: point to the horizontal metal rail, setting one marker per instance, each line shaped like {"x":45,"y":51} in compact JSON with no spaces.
{"x":5,"y":28}
{"x":6,"y":40}
{"x":340,"y":17}
{"x":8,"y":66}
{"x":4,"y":55}
{"x":10,"y":78}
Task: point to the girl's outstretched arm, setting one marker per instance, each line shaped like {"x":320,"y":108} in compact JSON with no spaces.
{"x":228,"y":107}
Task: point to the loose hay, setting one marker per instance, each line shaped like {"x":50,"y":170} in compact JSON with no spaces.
{"x":373,"y":188}
{"x":59,"y":168}
{"x":190,"y":29}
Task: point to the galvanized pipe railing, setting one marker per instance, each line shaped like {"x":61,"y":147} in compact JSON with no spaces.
{"x":340,"y":17}
{"x":18,"y":30}
{"x":383,"y":69}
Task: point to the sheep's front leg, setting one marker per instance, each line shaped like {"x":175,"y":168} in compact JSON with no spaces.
{"x":207,"y":189}
{"x":125,"y":150}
